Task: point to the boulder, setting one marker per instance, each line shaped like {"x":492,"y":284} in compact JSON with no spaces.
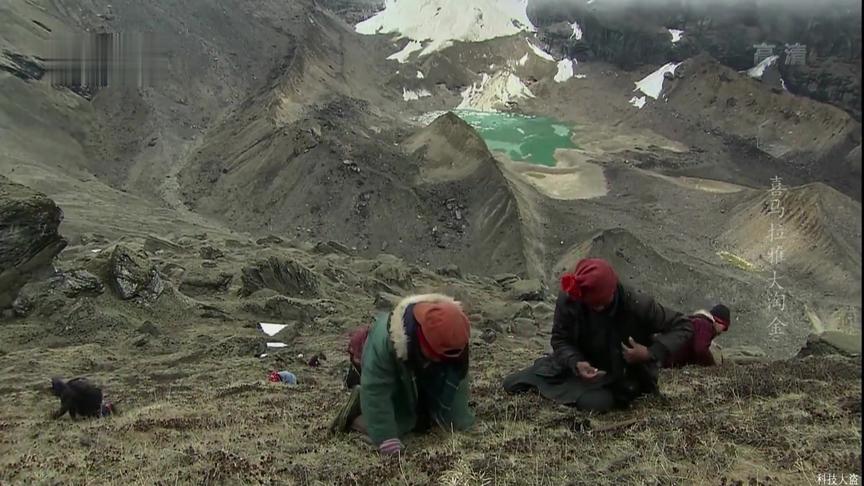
{"x":527,"y":290}
{"x":80,"y":282}
{"x":133,"y":275}
{"x":489,"y":336}
{"x":743,"y":355}
{"x":29,"y":239}
{"x":269,"y":240}
{"x":332,"y":247}
{"x":201,"y":284}
{"x":505,"y":279}
{"x":451,"y":270}
{"x":154,"y":243}
{"x":523,"y":327}
{"x":209,"y":252}
{"x":149,"y":328}
{"x":831,"y":342}
{"x":22,"y":306}
{"x":386,"y":300}
{"x":392,"y":270}
{"x":291,"y":309}
{"x":288,"y":277}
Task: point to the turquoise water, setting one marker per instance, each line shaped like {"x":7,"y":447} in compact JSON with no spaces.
{"x":523,"y":138}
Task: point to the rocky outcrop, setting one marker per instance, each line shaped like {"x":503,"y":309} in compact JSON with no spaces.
{"x":80,"y":282}
{"x":288,"y":277}
{"x":205,"y":284}
{"x":831,"y":343}
{"x":833,"y":81}
{"x":29,"y":238}
{"x":393,"y":271}
{"x":134,"y":276}
{"x":527,"y":290}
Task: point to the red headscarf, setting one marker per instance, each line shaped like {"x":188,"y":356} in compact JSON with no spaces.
{"x":593,"y":281}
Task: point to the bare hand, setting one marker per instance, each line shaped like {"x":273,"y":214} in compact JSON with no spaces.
{"x":588,"y":372}
{"x":636,"y":353}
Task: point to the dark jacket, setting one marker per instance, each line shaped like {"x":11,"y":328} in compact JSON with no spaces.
{"x":696,"y":351}
{"x":580,"y":334}
{"x":397,"y":395}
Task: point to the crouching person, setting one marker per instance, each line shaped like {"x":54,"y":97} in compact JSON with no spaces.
{"x":608,"y":343}
{"x":413,"y":373}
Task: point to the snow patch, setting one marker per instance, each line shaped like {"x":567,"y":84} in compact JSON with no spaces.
{"x":523,"y":60}
{"x":676,"y":35}
{"x":277,"y":345}
{"x":638,"y":102}
{"x":440,"y":22}
{"x":540,"y":52}
{"x":420,"y":75}
{"x":402,"y":56}
{"x":758,"y":70}
{"x":580,"y":76}
{"x":561,"y":130}
{"x":577,"y":31}
{"x":271,"y":329}
{"x":409,"y":95}
{"x":652,"y":84}
{"x":494,"y":92}
{"x":565,"y":70}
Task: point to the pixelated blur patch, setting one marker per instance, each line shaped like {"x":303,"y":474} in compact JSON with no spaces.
{"x":87,"y":62}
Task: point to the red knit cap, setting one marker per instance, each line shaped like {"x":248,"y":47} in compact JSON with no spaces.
{"x":594,"y":282}
{"x":444,"y":328}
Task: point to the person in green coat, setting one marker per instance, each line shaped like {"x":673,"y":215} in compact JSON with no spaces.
{"x":414,"y":372}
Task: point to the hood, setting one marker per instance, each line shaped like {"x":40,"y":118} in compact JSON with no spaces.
{"x":396,"y":325}
{"x":704,"y":313}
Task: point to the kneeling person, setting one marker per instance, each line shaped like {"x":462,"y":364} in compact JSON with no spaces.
{"x":414,"y":371}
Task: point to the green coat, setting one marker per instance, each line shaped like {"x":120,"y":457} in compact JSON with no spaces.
{"x":388,"y":387}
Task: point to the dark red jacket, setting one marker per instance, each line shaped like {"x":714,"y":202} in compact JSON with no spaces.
{"x":697,"y":351}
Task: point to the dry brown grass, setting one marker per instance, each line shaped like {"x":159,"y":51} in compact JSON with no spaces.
{"x":221,"y":423}
{"x":196,"y":408}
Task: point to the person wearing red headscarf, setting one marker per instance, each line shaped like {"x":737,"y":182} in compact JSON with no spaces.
{"x":608,"y":342}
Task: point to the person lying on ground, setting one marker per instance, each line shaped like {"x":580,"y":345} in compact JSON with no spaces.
{"x":603,"y":355}
{"x":707,"y":325}
{"x":413,"y":374}
{"x":79,"y":397}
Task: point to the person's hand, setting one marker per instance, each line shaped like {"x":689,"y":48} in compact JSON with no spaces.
{"x":636,"y":353}
{"x":588,"y":372}
{"x":391,"y":447}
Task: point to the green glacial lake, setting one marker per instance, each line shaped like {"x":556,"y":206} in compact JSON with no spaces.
{"x":523,"y":138}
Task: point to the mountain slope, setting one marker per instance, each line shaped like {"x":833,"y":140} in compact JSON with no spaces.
{"x":454,"y":155}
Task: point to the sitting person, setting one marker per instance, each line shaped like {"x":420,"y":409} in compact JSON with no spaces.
{"x":706,"y":326}
{"x":413,"y":373}
{"x":603,"y":355}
